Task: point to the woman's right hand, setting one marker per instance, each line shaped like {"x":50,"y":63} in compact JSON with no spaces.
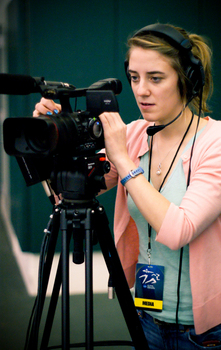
{"x":46,"y":107}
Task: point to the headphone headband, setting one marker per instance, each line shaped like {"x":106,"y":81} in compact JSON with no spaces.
{"x":194,"y":70}
{"x":167,"y":32}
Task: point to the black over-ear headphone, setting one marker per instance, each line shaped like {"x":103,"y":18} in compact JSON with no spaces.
{"x":193,"y":70}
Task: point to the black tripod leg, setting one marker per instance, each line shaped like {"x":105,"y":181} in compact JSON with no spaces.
{"x":51,"y":309}
{"x":45,"y":273}
{"x":89,"y":324}
{"x":65,"y":283}
{"x":50,"y":253}
{"x":122,"y":290}
{"x":55,"y":294}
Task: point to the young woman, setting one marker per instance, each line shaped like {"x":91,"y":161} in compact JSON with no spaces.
{"x":167,"y":167}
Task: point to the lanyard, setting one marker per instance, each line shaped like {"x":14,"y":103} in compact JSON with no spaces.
{"x":173,"y":160}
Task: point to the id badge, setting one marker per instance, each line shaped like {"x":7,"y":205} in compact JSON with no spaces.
{"x":149,"y":287}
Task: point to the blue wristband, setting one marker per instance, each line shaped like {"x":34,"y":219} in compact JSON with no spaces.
{"x":132,"y":174}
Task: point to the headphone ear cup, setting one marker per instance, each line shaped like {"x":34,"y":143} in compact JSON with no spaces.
{"x":192,"y":82}
{"x":195,"y":77}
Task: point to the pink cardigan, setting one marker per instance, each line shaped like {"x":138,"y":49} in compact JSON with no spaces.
{"x":196,"y":221}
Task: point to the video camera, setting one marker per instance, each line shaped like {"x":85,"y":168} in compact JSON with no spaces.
{"x":40,"y":144}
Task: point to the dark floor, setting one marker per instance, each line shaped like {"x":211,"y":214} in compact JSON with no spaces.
{"x":16,"y":306}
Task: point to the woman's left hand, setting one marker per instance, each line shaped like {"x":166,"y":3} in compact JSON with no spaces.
{"x":114,"y":136}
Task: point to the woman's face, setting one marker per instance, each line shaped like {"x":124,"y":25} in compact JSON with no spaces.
{"x":155,"y":85}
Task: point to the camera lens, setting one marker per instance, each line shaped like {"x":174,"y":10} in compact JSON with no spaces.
{"x":37,"y":137}
{"x":95,"y":128}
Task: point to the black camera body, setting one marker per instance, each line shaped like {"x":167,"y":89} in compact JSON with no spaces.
{"x":74,"y":134}
{"x":39,"y":144}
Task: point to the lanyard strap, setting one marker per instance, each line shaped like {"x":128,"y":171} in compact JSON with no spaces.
{"x":173,"y":160}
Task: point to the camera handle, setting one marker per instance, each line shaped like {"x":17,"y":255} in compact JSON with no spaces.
{"x":65,"y":104}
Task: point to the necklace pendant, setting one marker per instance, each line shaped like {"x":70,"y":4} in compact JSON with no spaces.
{"x":158,"y":172}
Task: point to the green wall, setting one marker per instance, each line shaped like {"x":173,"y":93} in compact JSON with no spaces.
{"x":81,"y":42}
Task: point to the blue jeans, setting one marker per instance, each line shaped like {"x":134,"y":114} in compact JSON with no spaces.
{"x":170,"y":337}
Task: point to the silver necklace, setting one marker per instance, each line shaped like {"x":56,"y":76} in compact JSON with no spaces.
{"x":159,"y":167}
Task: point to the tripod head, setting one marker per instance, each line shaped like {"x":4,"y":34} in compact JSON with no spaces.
{"x":81,"y":178}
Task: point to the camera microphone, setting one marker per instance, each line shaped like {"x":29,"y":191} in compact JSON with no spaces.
{"x":18,"y":84}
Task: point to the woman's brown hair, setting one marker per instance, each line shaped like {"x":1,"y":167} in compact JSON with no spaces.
{"x":200,"y":50}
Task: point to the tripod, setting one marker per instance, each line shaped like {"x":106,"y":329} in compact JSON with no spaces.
{"x":80,"y":215}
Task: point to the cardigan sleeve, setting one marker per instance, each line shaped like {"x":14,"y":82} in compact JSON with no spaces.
{"x":136,"y":142}
{"x":201,"y":205}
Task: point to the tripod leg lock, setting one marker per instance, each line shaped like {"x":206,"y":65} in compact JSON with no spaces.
{"x":111,"y":293}
{"x":111,"y":289}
